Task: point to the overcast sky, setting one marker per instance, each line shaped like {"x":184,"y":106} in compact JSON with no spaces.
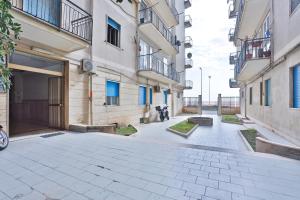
{"x":211,"y":48}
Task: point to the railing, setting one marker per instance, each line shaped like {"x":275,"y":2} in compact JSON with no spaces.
{"x":233,"y":83}
{"x":188,"y":63}
{"x":188,"y":84}
{"x":230,"y":105}
{"x":187,"y":21}
{"x":231,"y":35}
{"x":61,"y":14}
{"x":239,"y":14}
{"x":149,"y":16}
{"x":190,"y":101}
{"x":173,"y":9}
{"x":187,"y":3}
{"x":233,"y":57}
{"x":188,"y":41}
{"x":157,"y":65}
{"x":253,"y":49}
{"x":231,"y":11}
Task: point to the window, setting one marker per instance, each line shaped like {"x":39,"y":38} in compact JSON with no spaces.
{"x":113,"y":32}
{"x":166,"y":97}
{"x":250,"y":91}
{"x":142,"y":95}
{"x":294,"y":5}
{"x":296,"y":86}
{"x":112,"y":93}
{"x":151,"y":96}
{"x":268,"y":98}
{"x":261,"y":93}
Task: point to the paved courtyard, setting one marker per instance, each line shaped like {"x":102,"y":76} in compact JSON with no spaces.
{"x":97,"y":166}
{"x":220,"y":135}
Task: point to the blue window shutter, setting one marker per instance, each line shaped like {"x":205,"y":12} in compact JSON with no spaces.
{"x":296,"y":88}
{"x":142,"y":95}
{"x":113,"y":23}
{"x":268,"y":98}
{"x":165,"y":97}
{"x":112,"y":89}
{"x":151,"y":96}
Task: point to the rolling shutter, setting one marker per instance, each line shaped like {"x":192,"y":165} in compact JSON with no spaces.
{"x":142,"y":95}
{"x":296,"y":88}
{"x":112,"y":89}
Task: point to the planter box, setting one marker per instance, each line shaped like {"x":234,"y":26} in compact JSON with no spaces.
{"x":201,"y":121}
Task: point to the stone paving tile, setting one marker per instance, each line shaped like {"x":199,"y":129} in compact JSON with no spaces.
{"x":124,"y":168}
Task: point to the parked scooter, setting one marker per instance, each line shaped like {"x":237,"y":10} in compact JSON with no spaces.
{"x":163,"y":112}
{"x":3,"y":139}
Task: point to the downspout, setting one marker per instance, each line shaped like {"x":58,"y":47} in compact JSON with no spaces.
{"x":245,"y":95}
{"x":91,"y":121}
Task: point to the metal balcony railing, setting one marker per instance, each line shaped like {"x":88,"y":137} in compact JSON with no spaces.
{"x":253,"y":50}
{"x":149,"y":16}
{"x":188,"y":43}
{"x":239,"y":14}
{"x":188,"y":84}
{"x":188,"y":63}
{"x":233,"y":83}
{"x":187,"y":3}
{"x":233,"y":58}
{"x":231,"y":35}
{"x":157,"y":65}
{"x":60,"y":14}
{"x":232,"y":13}
{"x":187,"y":21}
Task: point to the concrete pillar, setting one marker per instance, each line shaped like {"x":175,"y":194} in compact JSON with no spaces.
{"x":219,"y":104}
{"x":200,"y":104}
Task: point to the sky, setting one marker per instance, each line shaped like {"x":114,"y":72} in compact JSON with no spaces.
{"x":211,"y":49}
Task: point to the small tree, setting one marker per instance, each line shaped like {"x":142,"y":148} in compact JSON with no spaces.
{"x":9,"y":31}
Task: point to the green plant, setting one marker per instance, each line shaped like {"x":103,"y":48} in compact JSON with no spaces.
{"x":9,"y":32}
{"x":183,"y":127}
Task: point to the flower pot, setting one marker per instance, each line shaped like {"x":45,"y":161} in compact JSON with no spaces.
{"x":256,"y":43}
{"x":249,"y":56}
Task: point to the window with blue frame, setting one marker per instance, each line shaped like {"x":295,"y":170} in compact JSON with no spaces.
{"x":294,"y":4}
{"x":113,"y":32}
{"x":166,"y":97}
{"x":112,"y":93}
{"x":151,"y":96}
{"x":296,"y":86}
{"x":268,"y":97}
{"x":142,"y":95}
{"x":46,"y":10}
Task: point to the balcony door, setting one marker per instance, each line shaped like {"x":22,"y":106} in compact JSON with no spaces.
{"x":47,"y":10}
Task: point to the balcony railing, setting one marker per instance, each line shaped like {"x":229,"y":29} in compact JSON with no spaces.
{"x":188,"y":85}
{"x":233,"y":58}
{"x":231,"y":35}
{"x":188,"y":43}
{"x":187,"y":3}
{"x":253,"y":50}
{"x":157,"y":65}
{"x":188,"y":63}
{"x":61,"y":14}
{"x":149,"y":16}
{"x":238,"y":14}
{"x":232,"y":13}
{"x":233,"y":83}
{"x":187,"y":21}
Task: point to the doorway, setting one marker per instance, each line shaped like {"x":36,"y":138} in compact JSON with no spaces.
{"x":36,"y":96}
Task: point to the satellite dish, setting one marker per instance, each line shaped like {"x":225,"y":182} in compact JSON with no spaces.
{"x":189,"y":55}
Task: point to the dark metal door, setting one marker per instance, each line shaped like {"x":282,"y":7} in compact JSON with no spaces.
{"x":56,"y":102}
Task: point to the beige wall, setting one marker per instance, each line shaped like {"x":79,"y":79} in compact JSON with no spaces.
{"x":3,"y":111}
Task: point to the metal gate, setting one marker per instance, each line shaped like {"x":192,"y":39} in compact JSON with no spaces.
{"x":230,"y":105}
{"x":55,"y":102}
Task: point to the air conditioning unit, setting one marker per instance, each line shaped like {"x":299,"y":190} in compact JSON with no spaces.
{"x":156,"y":89}
{"x":87,"y":65}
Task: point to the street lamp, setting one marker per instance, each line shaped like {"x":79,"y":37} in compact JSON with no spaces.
{"x":209,"y":77}
{"x":201,"y":80}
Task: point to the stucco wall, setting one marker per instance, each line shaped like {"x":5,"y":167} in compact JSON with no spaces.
{"x":3,"y":111}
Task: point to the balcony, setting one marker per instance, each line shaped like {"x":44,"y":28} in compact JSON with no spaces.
{"x":233,"y":58}
{"x":187,"y":21}
{"x":53,"y":24}
{"x":249,"y":15}
{"x":154,"y":28}
{"x":253,"y":58}
{"x":166,"y":10}
{"x":154,"y":68}
{"x":232,"y":13}
{"x":187,"y":4}
{"x":188,"y":64}
{"x":231,"y":35}
{"x":233,"y":83}
{"x":188,"y":85}
{"x":188,"y":43}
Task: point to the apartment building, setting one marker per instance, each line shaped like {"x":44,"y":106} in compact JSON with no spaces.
{"x":95,"y":62}
{"x":267,"y":37}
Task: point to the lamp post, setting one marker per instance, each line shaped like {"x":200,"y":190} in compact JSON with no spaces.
{"x":201,"y":80}
{"x":209,"y":77}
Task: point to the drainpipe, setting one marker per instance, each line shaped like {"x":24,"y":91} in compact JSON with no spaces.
{"x":91,"y":121}
{"x":245,"y":95}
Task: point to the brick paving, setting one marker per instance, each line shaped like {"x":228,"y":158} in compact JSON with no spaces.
{"x":103,"y":167}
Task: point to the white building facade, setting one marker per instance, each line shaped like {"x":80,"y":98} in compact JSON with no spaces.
{"x":94,"y":62}
{"x":267,"y":37}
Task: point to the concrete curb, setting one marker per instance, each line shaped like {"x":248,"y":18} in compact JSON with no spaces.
{"x":182,"y":134}
{"x":245,"y":141}
{"x":236,"y":123}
